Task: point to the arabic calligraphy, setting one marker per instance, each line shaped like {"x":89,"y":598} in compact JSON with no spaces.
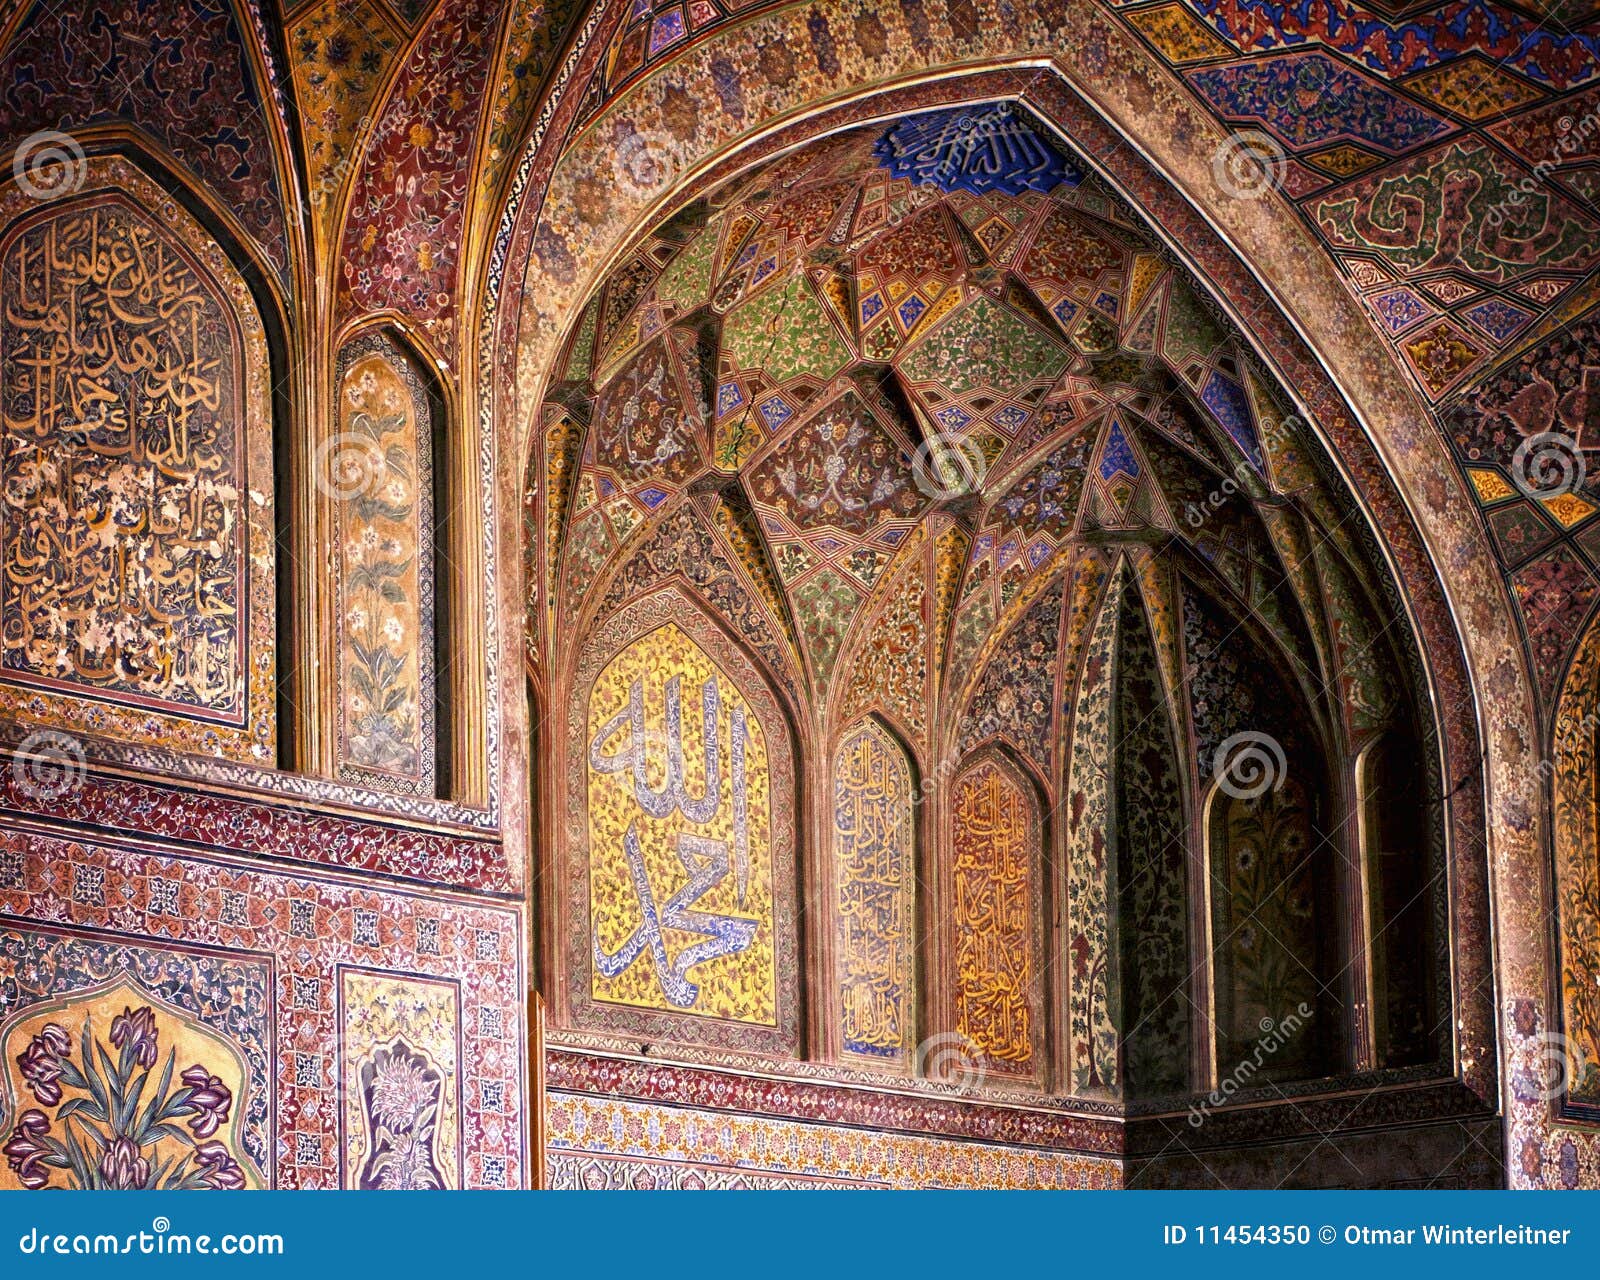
{"x":998,"y":148}
{"x":121,"y":566}
{"x":681,"y":876}
{"x":996,"y":846}
{"x":873,"y":852}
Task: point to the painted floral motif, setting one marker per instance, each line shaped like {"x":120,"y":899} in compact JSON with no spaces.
{"x":402,"y":237}
{"x":113,"y":1125}
{"x":194,"y":92}
{"x":1151,"y":859}
{"x":339,"y":55}
{"x":1092,"y":1029}
{"x":1267,"y":927}
{"x":400,"y":1092}
{"x":1577,"y":851}
{"x":382,"y":480}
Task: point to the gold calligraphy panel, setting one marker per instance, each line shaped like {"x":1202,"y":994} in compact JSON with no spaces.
{"x":680,"y":836}
{"x":996,"y":840}
{"x":136,"y":544}
{"x":872,"y":827}
{"x":380,"y":480}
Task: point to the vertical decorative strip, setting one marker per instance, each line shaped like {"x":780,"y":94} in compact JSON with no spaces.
{"x":401,"y":1082}
{"x":1090,"y":859}
{"x":378,"y":472}
{"x":996,"y":843}
{"x":873,"y":843}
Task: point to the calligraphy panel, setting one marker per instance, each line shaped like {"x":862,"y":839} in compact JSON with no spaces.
{"x":680,"y":847}
{"x":380,"y":477}
{"x":136,"y":536}
{"x":996,"y":841}
{"x":682,"y":815}
{"x":874,"y":870}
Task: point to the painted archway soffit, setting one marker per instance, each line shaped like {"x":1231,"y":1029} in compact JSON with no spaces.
{"x":1454,"y":530}
{"x":1405,"y":171}
{"x":650,"y":346}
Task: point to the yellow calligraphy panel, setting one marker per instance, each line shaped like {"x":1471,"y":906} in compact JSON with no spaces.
{"x":996,"y":840}
{"x":680,"y":836}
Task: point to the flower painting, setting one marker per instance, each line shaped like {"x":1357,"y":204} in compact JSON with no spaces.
{"x":113,"y":1092}
{"x":400,"y":1093}
{"x":377,"y":473}
{"x":402,"y":1097}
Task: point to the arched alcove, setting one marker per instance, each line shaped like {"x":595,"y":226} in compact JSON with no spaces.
{"x":861,"y":400}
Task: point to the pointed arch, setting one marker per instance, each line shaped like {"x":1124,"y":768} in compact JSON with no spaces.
{"x":171,"y":636}
{"x":677,"y":901}
{"x":994,"y":899}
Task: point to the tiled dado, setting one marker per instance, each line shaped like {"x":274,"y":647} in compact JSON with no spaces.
{"x":604,"y":1143}
{"x":367,"y":1035}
